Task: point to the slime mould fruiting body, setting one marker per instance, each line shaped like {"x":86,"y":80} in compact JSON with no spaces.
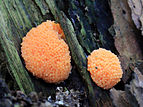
{"x":46,"y":54}
{"x":105,"y":68}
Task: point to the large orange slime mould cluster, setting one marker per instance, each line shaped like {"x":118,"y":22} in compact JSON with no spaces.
{"x":45,"y":53}
{"x":105,"y":68}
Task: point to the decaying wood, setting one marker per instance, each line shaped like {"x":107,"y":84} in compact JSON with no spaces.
{"x":79,"y":57}
{"x":77,"y":52}
{"x":132,"y":96}
{"x":10,"y":47}
{"x":136,"y":13}
{"x":17,"y":19}
{"x":126,"y":39}
{"x":87,"y":25}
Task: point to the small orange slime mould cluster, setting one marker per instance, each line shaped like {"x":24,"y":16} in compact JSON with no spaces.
{"x":104,"y":67}
{"x":45,"y":53}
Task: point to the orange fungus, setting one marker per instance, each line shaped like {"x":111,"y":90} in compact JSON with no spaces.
{"x":105,"y":68}
{"x":46,"y":54}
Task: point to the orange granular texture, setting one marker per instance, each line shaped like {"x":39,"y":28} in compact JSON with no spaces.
{"x":105,"y":68}
{"x":46,"y":55}
{"x":51,"y":25}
